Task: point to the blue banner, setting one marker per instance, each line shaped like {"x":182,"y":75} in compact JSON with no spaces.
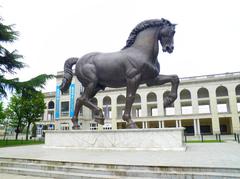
{"x":72,"y":96}
{"x":57,"y":111}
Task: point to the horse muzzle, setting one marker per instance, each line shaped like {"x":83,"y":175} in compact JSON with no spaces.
{"x":168,"y":49}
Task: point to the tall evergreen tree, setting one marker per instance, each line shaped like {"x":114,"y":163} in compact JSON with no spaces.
{"x":9,"y":61}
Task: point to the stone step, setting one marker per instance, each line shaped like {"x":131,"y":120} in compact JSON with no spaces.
{"x":59,"y":175}
{"x":61,"y":169}
{"x":71,"y":175}
{"x":119,"y":166}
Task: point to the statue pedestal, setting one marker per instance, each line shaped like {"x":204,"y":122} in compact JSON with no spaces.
{"x":124,"y":139}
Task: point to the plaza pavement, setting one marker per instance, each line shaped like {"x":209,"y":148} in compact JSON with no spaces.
{"x":198,"y":155}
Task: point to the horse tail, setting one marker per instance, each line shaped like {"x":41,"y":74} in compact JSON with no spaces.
{"x":68,"y":73}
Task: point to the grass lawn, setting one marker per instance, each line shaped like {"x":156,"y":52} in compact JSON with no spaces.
{"x":205,"y":141}
{"x":9,"y":143}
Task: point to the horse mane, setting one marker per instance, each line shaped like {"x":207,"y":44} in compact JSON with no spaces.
{"x":142,"y":26}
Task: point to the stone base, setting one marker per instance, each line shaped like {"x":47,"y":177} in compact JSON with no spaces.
{"x":124,"y":139}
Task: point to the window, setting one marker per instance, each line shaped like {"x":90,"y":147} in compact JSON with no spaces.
{"x":50,"y":115}
{"x":187,"y":110}
{"x":169,"y":111}
{"x":238,"y":107}
{"x":222,"y":108}
{"x":154,"y":111}
{"x":138,"y":112}
{"x":51,"y":105}
{"x":204,"y":109}
{"x":65,"y":108}
{"x":107,"y":112}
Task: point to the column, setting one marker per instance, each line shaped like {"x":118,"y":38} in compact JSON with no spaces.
{"x":177,"y":124}
{"x":159,"y":124}
{"x":194,"y":100}
{"x":146,"y":124}
{"x":180,"y":123}
{"x":198,"y":126}
{"x":143,"y":124}
{"x":177,"y":106}
{"x":163,"y":125}
{"x":114,"y":112}
{"x":144,"y":104}
{"x":214,"y":112}
{"x":233,"y":109}
{"x":195,"y":126}
{"x":160,"y":103}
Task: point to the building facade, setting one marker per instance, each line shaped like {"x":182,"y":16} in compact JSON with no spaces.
{"x":207,"y":104}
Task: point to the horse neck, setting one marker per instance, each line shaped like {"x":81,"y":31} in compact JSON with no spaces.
{"x":147,"y":42}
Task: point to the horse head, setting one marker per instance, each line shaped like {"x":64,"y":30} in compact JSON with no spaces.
{"x":166,"y":34}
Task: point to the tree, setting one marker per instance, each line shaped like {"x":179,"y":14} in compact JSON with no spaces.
{"x":14,"y":112}
{"x":33,"y":108}
{"x":3,"y":120}
{"x":2,"y":113}
{"x":9,"y":61}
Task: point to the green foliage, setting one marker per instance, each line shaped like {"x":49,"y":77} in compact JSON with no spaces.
{"x":33,"y":84}
{"x":2,"y":113}
{"x":33,"y":105}
{"x":25,"y":108}
{"x":15,"y":114}
{"x":7,"y":34}
{"x":9,"y":143}
{"x":9,"y":62}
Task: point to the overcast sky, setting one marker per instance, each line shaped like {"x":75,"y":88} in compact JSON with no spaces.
{"x":206,"y":40}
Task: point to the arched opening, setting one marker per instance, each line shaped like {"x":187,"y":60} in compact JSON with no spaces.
{"x":186,"y":103}
{"x":221,"y":91}
{"x":152,"y":104}
{"x":237,"y":90}
{"x":136,"y":108}
{"x":203,"y":101}
{"x":222,"y":100}
{"x":203,"y":93}
{"x":185,"y":94}
{"x":151,"y":97}
{"x":121,"y":100}
{"x":51,"y":105}
{"x":106,"y":100}
{"x":107,"y":107}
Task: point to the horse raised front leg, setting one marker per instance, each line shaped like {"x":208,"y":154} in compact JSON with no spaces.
{"x":132,"y":85}
{"x":162,"y":79}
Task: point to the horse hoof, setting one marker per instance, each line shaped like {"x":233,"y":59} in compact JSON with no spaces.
{"x":131,"y":125}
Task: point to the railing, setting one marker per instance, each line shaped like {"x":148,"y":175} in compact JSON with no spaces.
{"x":206,"y":137}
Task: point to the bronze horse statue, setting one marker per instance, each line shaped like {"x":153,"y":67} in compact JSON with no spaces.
{"x":133,"y":65}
